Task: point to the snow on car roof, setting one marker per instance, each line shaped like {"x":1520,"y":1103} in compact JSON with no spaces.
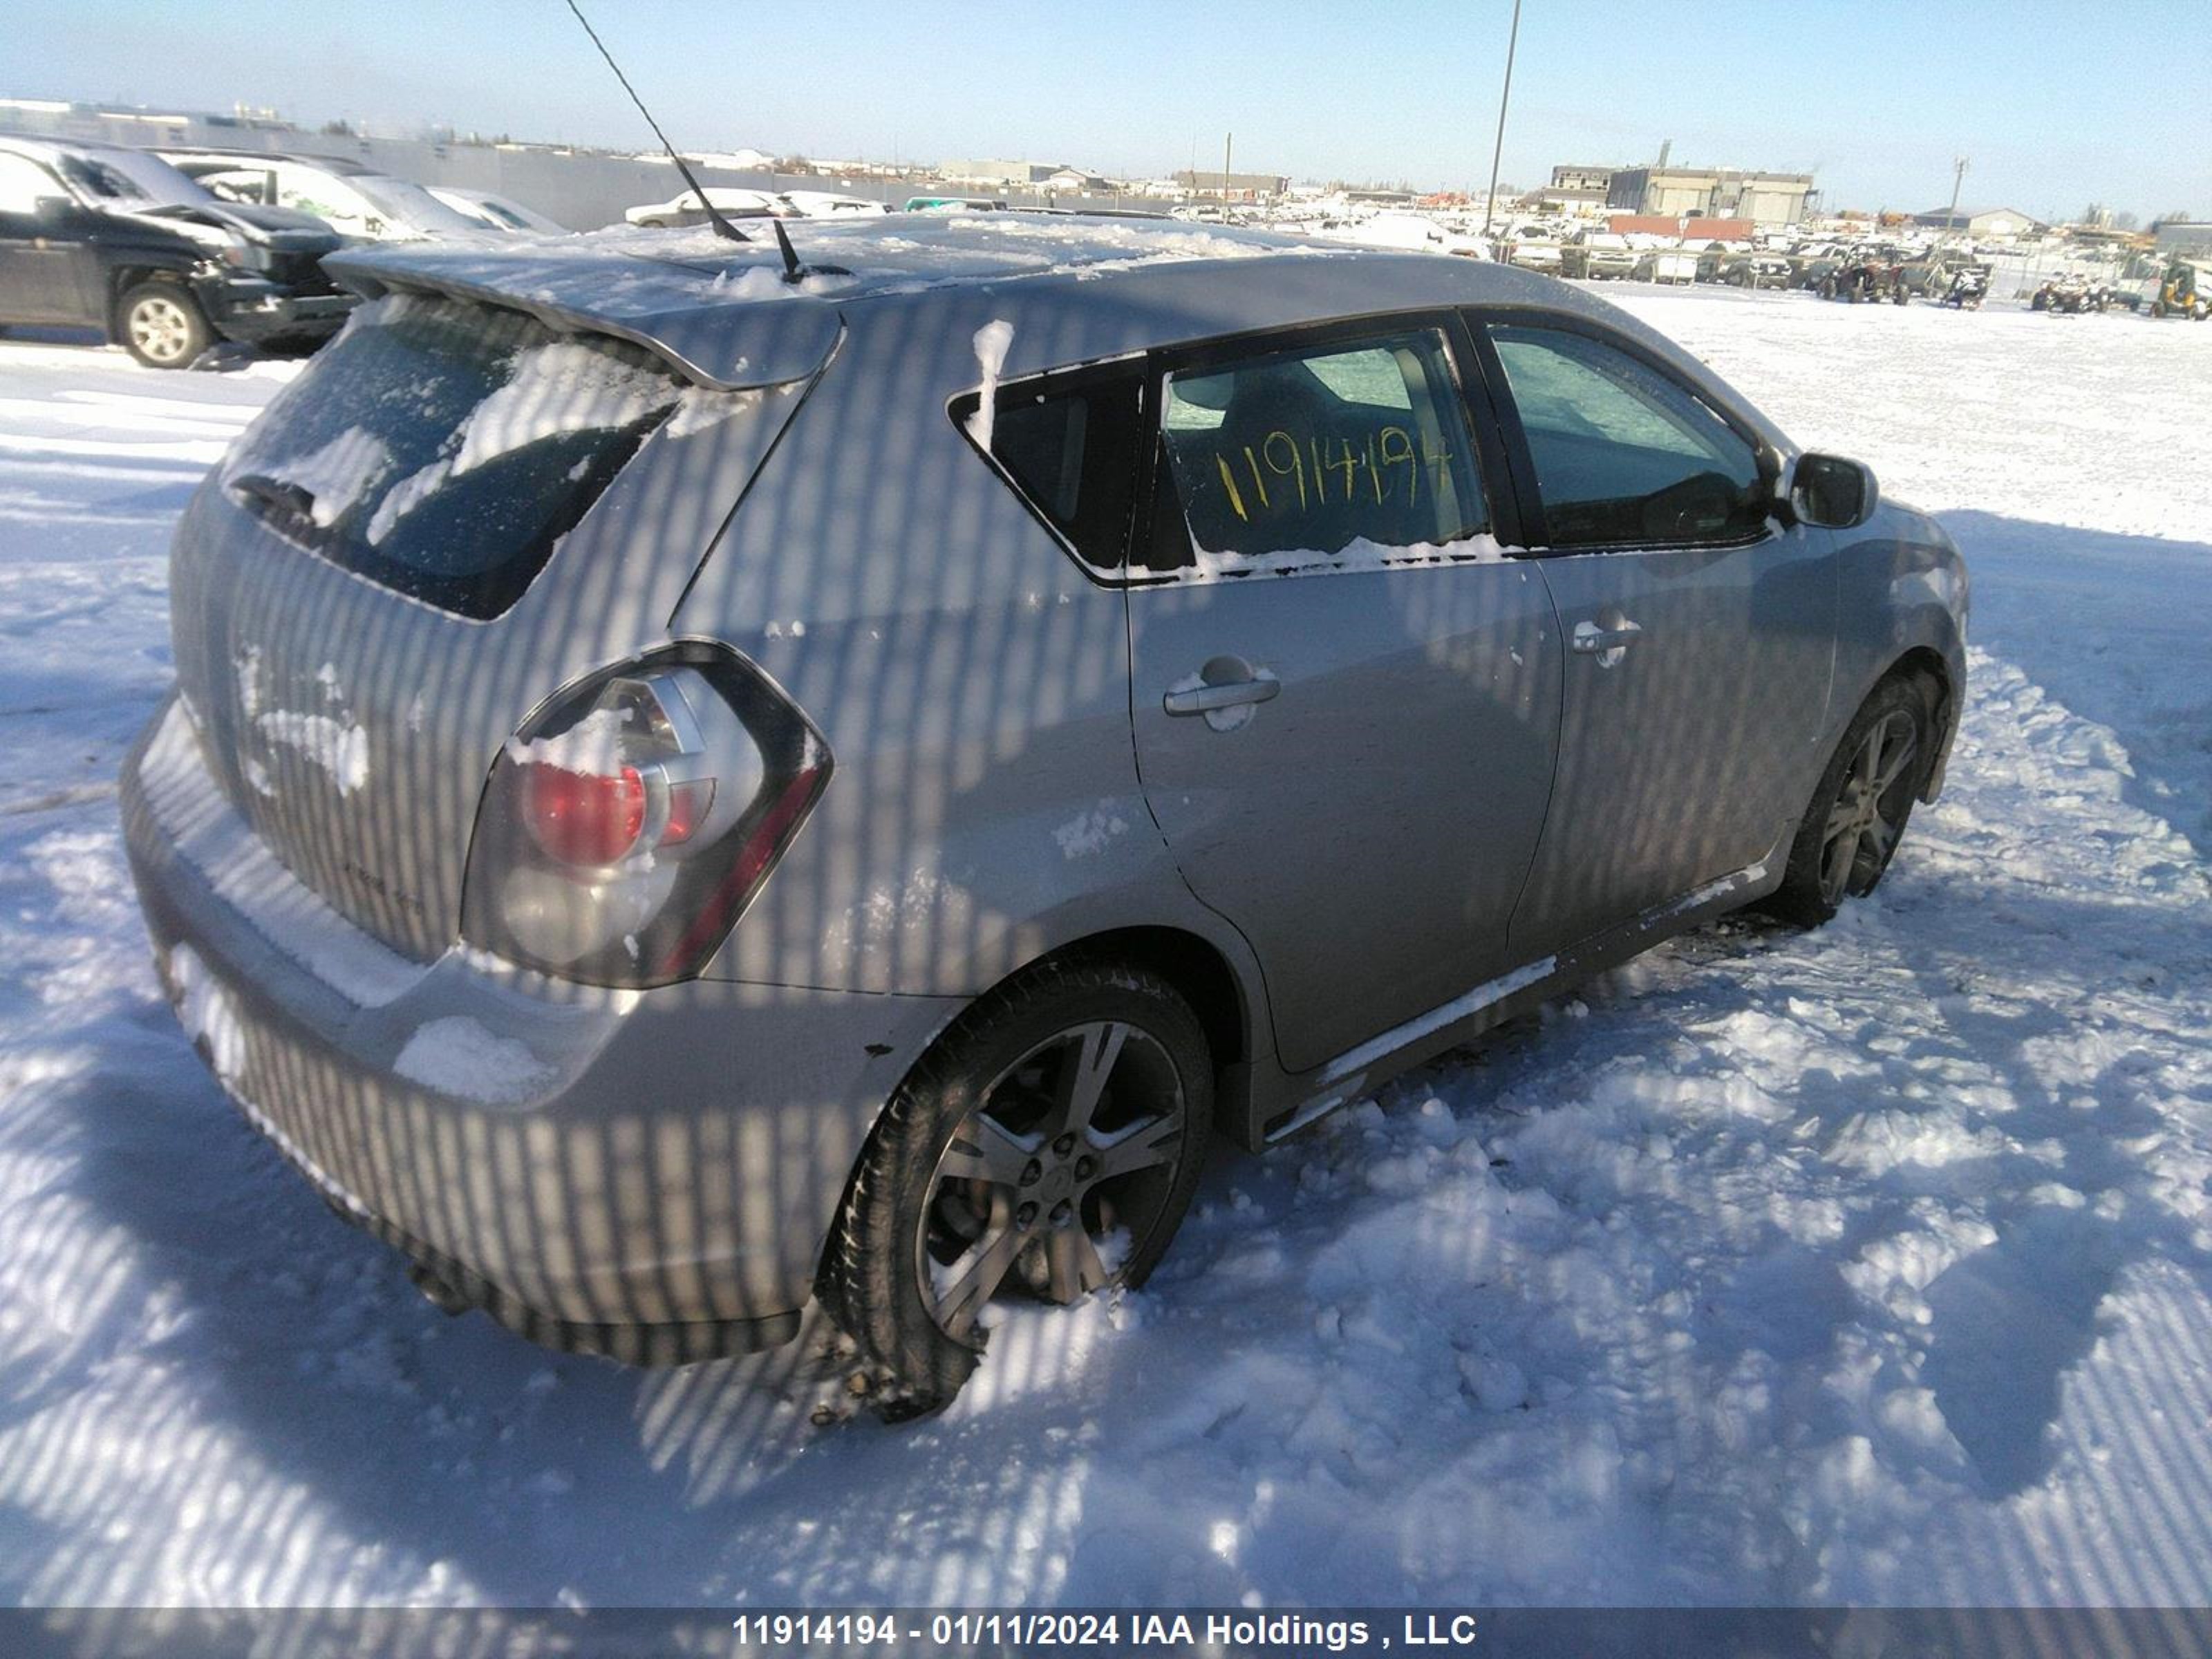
{"x":724,"y":314}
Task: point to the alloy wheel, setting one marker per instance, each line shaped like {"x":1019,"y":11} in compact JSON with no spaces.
{"x":160,"y":329}
{"x":1870,"y":809}
{"x":1056,"y":1178}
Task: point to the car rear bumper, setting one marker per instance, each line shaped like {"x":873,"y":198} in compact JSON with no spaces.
{"x":649,"y":1175}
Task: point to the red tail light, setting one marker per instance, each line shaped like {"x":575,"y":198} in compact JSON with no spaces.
{"x":625,"y":828}
{"x":579,"y":817}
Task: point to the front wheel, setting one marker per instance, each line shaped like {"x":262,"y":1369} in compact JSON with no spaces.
{"x":1046,"y":1148}
{"x":162,"y":325}
{"x":1861,"y":807}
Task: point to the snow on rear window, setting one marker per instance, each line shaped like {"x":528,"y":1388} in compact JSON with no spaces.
{"x":443,"y":448}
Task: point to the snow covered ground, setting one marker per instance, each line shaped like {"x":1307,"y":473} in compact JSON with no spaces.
{"x":1873,"y":1266}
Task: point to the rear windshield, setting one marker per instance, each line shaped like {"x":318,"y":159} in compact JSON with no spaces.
{"x":442,"y":449}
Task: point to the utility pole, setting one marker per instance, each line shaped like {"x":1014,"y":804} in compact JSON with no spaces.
{"x":1228,"y":149}
{"x":1957,"y":178}
{"x":1513,"y":40}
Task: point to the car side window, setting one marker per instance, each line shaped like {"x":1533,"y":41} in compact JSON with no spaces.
{"x":23,"y":182}
{"x":241,"y":185}
{"x":1329,"y":456}
{"x":1623,"y":455}
{"x":1070,"y":449}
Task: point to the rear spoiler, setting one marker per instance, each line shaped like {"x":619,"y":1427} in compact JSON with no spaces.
{"x":704,"y":332}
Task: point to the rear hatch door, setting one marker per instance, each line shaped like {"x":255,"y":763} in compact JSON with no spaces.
{"x":459,"y":508}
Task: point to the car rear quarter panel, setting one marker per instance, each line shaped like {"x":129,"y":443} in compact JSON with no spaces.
{"x":971,"y":679}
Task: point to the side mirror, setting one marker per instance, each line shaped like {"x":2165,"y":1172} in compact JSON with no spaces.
{"x":53,"y":209}
{"x":1831,"y":492}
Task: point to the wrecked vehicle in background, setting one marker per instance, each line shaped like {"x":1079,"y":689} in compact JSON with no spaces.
{"x":98,"y":236}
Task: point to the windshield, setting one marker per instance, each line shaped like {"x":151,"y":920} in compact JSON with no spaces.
{"x":129,"y":179}
{"x":407,"y":203}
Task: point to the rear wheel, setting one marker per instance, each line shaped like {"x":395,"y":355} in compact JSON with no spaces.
{"x":162,"y":325}
{"x":1864,"y":799}
{"x":1047,"y":1148}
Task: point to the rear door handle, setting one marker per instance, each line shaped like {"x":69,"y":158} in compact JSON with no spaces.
{"x":1205,"y":699}
{"x":1592,"y":641}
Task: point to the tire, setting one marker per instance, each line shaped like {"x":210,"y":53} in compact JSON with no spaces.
{"x":1825,"y":867}
{"x":162,"y":325}
{"x":1003,"y":1094}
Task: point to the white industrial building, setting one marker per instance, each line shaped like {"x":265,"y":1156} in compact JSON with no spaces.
{"x":1997,"y":224}
{"x":1766,"y":199}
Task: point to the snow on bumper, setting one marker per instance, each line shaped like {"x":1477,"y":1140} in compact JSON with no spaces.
{"x":649,"y":1174}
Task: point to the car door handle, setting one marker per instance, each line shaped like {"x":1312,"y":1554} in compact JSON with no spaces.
{"x":1205,"y":699}
{"x":1591,"y":639}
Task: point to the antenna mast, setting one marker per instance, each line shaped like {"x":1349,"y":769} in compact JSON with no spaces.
{"x":723,"y":228}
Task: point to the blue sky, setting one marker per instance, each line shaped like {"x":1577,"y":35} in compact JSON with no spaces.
{"x":2056,"y":104}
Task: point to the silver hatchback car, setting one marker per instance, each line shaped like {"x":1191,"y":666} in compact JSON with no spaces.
{"x":689,"y":791}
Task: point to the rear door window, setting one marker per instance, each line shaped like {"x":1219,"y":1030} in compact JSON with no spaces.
{"x":1326,"y":456}
{"x":1068,"y":444}
{"x":442,"y":449}
{"x":1623,"y":455}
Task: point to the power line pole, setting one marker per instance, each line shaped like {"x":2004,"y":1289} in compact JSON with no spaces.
{"x":1228,"y":149}
{"x":1957,"y":178}
{"x":1490,"y":202}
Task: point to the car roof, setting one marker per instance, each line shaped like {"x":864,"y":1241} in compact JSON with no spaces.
{"x":48,"y":148}
{"x":1076,"y":289}
{"x":337,"y":164}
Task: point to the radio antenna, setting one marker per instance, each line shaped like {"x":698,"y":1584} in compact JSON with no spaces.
{"x":723,"y":228}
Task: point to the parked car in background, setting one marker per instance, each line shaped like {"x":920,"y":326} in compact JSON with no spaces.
{"x":656,"y":872}
{"x":1812,"y":271}
{"x":1756,"y":270}
{"x":1413,"y":232}
{"x":1665,"y":264}
{"x":684,"y":208}
{"x":1714,"y":258}
{"x":97,"y":236}
{"x":356,"y":201}
{"x":1532,"y":249}
{"x":828,"y":204}
{"x":957,"y":204}
{"x":501,"y":213}
{"x":1591,"y":254}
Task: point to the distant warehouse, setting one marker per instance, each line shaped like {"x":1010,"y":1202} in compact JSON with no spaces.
{"x":1766,"y":198}
{"x":1995,"y":221}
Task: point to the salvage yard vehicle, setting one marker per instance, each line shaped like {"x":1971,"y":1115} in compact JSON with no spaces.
{"x":487,"y":211}
{"x":97,"y":236}
{"x":1665,"y":264}
{"x":2185,"y":290}
{"x":1591,"y":254}
{"x":1541,"y":253}
{"x":689,"y":791}
{"x":684,"y":208}
{"x":1932,"y":275}
{"x":353,"y":199}
{"x":1866,"y":280}
{"x":1756,"y":270}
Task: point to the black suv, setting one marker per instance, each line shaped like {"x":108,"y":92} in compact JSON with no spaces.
{"x":95,"y":235}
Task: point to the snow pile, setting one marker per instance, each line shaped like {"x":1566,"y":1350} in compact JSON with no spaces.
{"x":339,"y":747}
{"x":1871,"y":1264}
{"x":339,"y":474}
{"x":593,"y":745}
{"x":458,"y":1057}
{"x":992,"y":341}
